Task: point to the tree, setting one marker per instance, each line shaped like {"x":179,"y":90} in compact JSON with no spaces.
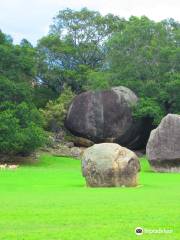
{"x":17,"y":62}
{"x":145,"y":56}
{"x":74,"y":47}
{"x":21,"y":123}
{"x":86,"y":30}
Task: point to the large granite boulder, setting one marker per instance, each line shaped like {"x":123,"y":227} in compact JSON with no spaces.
{"x":110,"y":165}
{"x":106,"y":116}
{"x":163,"y":148}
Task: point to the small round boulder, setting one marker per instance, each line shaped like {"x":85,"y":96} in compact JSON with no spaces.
{"x":110,"y":165}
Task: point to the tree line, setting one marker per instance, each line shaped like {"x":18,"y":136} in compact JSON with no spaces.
{"x":85,"y":51}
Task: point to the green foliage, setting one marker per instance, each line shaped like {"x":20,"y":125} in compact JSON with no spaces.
{"x":172,"y":97}
{"x":14,"y":92}
{"x":87,"y":51}
{"x":143,"y":50}
{"x":86,"y":31}
{"x":17,"y":62}
{"x":97,"y":81}
{"x":147,"y":107}
{"x":20,"y":122}
{"x":20,"y":129}
{"x":55,"y":111}
{"x":145,"y":57}
{"x":42,"y":94}
{"x":74,"y":47}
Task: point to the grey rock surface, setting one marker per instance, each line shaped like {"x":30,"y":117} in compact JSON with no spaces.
{"x":110,"y":165}
{"x":106,"y":116}
{"x":163,"y":148}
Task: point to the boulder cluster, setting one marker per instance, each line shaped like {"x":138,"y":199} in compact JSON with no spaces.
{"x":104,"y":121}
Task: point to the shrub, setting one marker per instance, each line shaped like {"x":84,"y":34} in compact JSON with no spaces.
{"x":148,"y":108}
{"x":55,"y":111}
{"x":20,"y":129}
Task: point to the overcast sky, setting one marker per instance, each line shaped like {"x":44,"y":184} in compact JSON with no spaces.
{"x":30,"y":18}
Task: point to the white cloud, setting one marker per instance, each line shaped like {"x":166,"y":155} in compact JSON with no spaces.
{"x":30,"y":19}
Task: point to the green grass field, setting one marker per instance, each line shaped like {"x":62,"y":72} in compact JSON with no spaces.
{"x":49,"y":201}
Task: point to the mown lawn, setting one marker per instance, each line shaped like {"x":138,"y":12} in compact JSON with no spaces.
{"x":49,"y":201}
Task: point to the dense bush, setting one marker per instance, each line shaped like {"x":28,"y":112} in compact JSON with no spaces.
{"x":14,"y":92}
{"x":97,"y":81}
{"x":20,"y":129}
{"x":21,"y":123}
{"x":55,"y":111}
